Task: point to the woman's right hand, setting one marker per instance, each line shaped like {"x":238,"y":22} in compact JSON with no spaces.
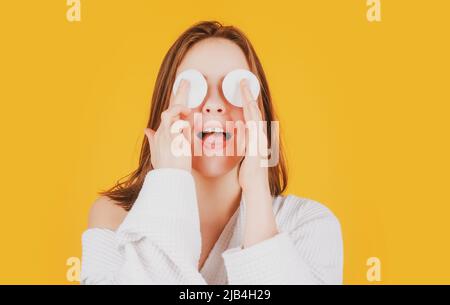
{"x":170,"y":144}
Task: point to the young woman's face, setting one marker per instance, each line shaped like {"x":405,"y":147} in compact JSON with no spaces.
{"x":214,"y":58}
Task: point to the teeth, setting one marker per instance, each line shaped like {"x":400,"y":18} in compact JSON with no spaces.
{"x":201,"y":134}
{"x":215,"y":129}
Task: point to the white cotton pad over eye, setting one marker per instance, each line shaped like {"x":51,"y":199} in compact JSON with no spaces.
{"x":198,"y":86}
{"x":231,"y":86}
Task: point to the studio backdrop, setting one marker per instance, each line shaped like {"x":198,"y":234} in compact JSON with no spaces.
{"x":361,"y":89}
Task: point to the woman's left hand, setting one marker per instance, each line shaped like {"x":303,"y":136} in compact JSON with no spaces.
{"x":260,"y":221}
{"x":253,"y":177}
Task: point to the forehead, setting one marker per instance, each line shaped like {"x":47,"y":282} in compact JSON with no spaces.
{"x":214,"y":58}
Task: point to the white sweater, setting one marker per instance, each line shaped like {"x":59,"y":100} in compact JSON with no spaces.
{"x":159,"y":242}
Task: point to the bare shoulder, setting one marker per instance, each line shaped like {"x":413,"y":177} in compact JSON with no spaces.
{"x":106,"y":214}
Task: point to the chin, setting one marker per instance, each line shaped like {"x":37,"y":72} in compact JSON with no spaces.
{"x":215,"y":166}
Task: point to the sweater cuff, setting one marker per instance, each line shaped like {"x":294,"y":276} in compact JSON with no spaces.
{"x":100,"y":259}
{"x":167,"y":202}
{"x":267,"y":262}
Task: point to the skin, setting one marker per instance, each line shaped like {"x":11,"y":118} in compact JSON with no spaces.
{"x":220,"y":182}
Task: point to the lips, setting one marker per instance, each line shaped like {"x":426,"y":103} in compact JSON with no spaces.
{"x":213,"y":136}
{"x":216,"y":132}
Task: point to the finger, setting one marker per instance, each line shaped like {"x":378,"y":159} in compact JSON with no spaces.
{"x":246,"y":93}
{"x":245,"y":103}
{"x":263,"y":127}
{"x":262,"y":140}
{"x":247,"y":141}
{"x":182,"y":93}
{"x":241,"y":138}
{"x":172,"y":114}
{"x":179,"y":131}
{"x":250,"y":107}
{"x":251,"y":142}
{"x":187,"y":132}
{"x":179,"y":126}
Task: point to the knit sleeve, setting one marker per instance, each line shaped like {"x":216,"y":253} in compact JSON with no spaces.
{"x":158,"y":242}
{"x":309,"y":253}
{"x":100,"y":258}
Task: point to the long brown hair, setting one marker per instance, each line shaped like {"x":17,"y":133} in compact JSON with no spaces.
{"x":125,"y":193}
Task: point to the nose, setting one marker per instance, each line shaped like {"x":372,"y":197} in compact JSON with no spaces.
{"x":213,"y":106}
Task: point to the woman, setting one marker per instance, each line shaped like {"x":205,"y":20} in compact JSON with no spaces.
{"x":209,"y":218}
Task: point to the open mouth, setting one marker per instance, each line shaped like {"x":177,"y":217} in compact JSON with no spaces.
{"x":214,"y":132}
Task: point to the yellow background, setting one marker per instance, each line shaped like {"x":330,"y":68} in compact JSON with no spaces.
{"x":363,"y":107}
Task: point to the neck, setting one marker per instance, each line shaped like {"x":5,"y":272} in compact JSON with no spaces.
{"x":218,"y":197}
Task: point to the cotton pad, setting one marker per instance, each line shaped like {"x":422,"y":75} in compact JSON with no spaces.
{"x":231,"y":86}
{"x":198,"y":86}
